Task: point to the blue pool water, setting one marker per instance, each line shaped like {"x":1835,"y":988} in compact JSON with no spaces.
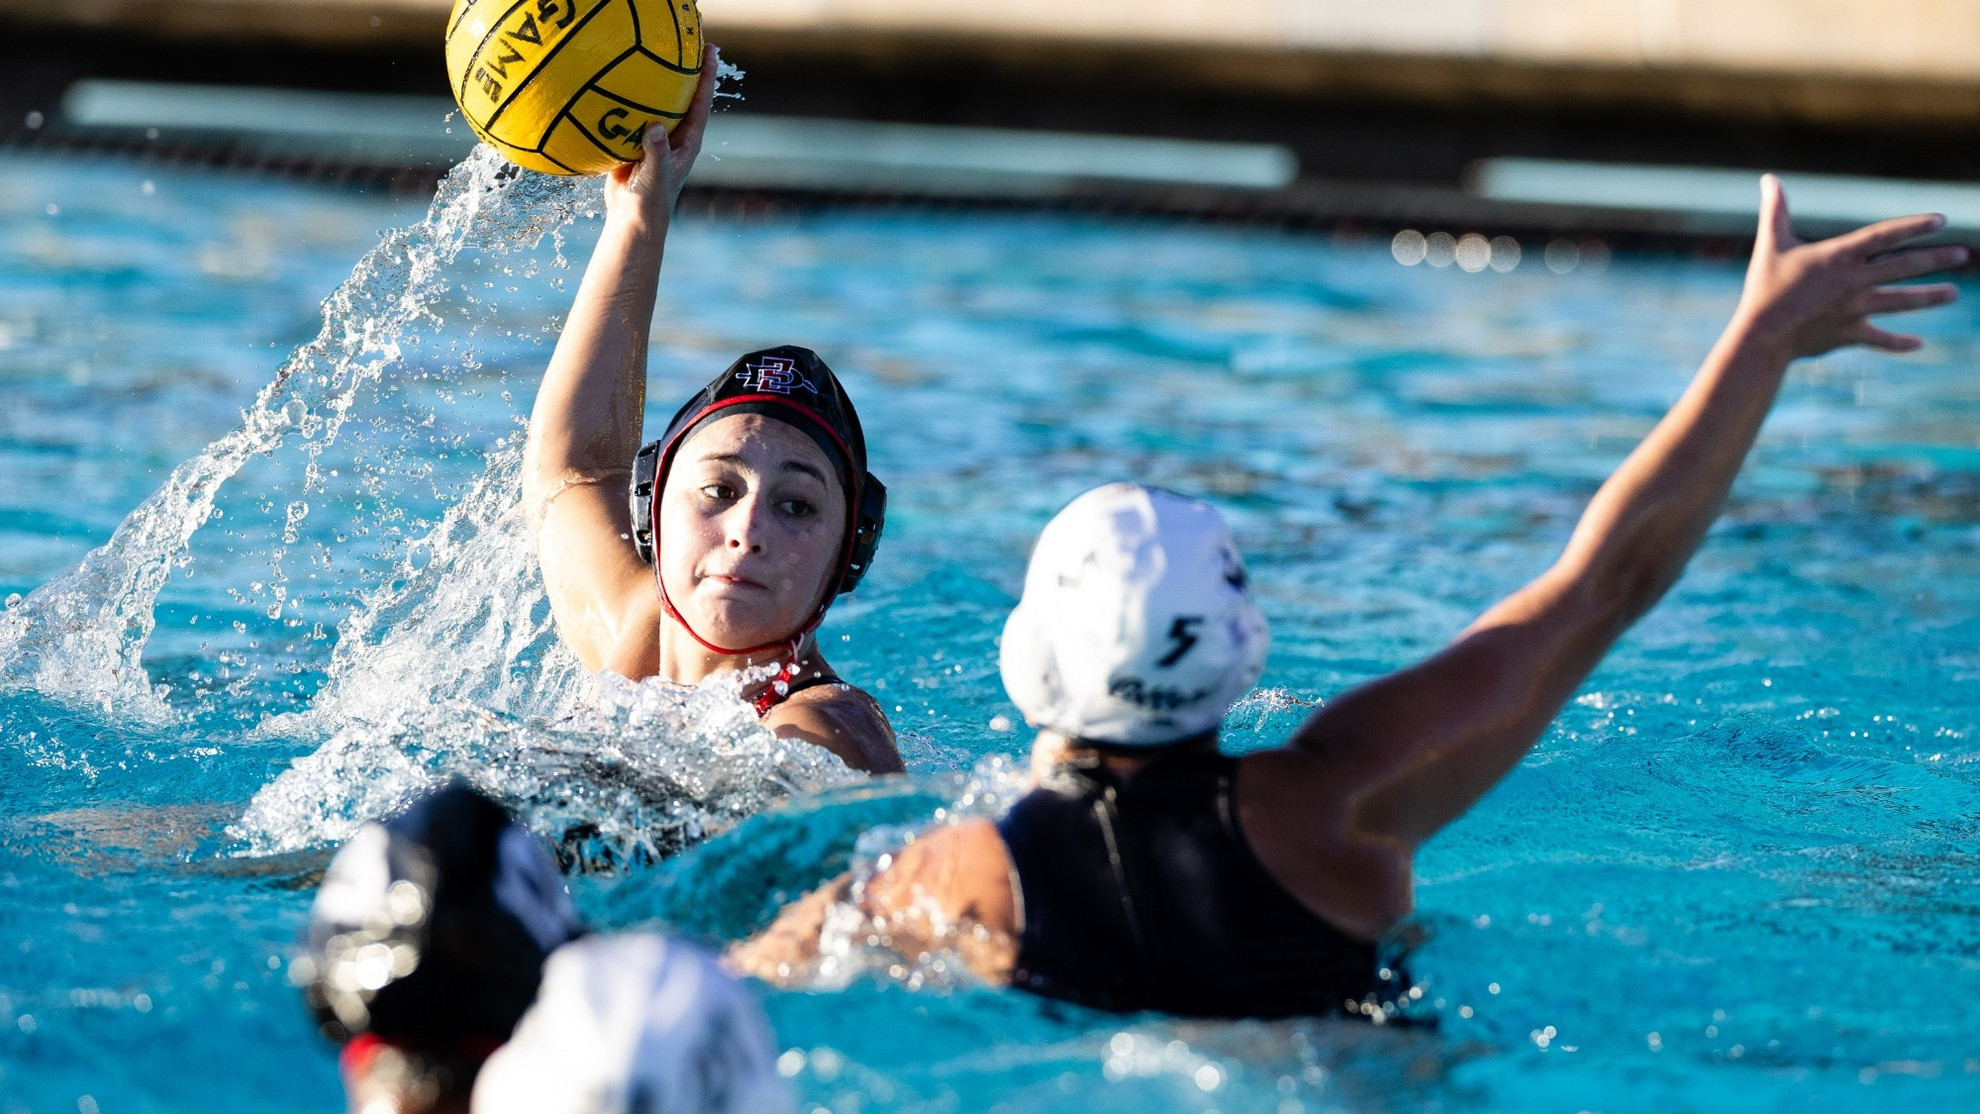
{"x":1739,"y":873}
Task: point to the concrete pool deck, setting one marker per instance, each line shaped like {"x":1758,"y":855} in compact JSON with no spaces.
{"x":1915,"y":62}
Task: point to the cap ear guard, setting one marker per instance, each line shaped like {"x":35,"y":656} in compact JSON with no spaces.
{"x":871,"y":522}
{"x":646,"y":470}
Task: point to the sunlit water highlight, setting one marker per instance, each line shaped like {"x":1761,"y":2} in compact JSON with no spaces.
{"x":1739,"y":873}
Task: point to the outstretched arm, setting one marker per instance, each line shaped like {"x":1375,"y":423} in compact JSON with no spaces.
{"x":1405,"y":755}
{"x":585,"y":426}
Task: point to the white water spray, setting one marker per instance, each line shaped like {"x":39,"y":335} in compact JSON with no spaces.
{"x":80,"y":638}
{"x":448,"y":668}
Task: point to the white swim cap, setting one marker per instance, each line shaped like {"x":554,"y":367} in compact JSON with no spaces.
{"x":1137,"y":626}
{"x":636,"y":1023}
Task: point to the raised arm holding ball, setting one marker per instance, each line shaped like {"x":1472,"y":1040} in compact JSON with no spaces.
{"x":1148,"y":871}
{"x":750,"y":514}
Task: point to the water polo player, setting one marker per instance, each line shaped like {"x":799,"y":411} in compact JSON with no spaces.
{"x":748,"y":516}
{"x":425,"y":947}
{"x":1148,"y":871}
{"x":445,"y":957}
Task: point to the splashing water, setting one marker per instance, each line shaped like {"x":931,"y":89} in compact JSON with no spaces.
{"x":453,"y":672}
{"x":918,"y":947}
{"x":634,"y":774}
{"x":448,"y":668}
{"x":81,"y":637}
{"x":463,"y":617}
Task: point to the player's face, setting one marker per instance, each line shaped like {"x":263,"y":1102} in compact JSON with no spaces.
{"x":752,"y":521}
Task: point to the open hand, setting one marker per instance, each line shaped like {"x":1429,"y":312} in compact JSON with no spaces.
{"x":1809,"y":298}
{"x":648,"y":190}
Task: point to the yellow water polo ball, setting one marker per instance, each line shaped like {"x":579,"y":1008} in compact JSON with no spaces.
{"x":567,"y":86}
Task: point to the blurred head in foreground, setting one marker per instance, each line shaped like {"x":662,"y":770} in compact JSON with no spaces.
{"x":437,"y":932}
{"x":636,"y":1024}
{"x":425,"y":946}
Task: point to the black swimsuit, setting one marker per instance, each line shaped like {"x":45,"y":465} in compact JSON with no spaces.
{"x":1141,"y":893}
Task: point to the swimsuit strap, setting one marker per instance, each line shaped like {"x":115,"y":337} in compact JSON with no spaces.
{"x":782,"y":687}
{"x":812,"y":682}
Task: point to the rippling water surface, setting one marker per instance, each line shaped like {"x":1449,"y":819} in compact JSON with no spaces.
{"x":272,"y":583}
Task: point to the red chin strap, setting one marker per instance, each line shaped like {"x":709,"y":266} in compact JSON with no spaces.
{"x":791,"y":639}
{"x":364,"y":1049}
{"x":780,"y":685}
{"x":358,"y":1054}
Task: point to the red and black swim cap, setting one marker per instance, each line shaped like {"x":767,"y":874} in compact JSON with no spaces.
{"x":793,"y":386}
